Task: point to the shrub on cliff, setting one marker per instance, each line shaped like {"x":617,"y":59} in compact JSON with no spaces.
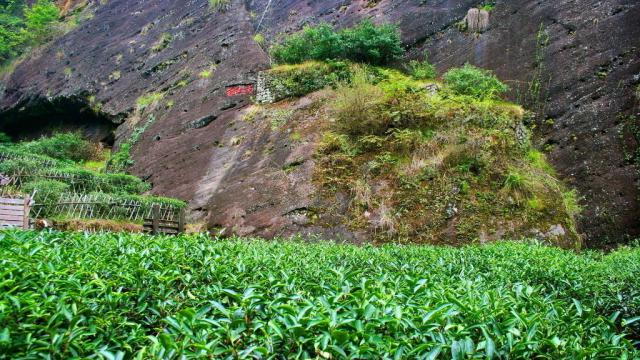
{"x":472,"y":81}
{"x":12,"y":33}
{"x":40,"y":16}
{"x":121,"y":159}
{"x":313,"y":43}
{"x":366,"y":42}
{"x":374,"y":44}
{"x":422,"y":70}
{"x":358,"y":107}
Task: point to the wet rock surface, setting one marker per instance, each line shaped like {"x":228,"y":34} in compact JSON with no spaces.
{"x":573,"y":63}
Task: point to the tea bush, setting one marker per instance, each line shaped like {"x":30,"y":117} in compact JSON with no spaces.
{"x":78,"y":179}
{"x":123,"y":183}
{"x":45,"y":188}
{"x":114,"y":296}
{"x":472,"y":81}
{"x":63,"y":146}
{"x":58,"y":174}
{"x":13,"y":166}
{"x":365,"y":42}
{"x":83,"y":180}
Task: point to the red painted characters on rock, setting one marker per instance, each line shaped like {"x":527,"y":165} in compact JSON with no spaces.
{"x":240,"y":90}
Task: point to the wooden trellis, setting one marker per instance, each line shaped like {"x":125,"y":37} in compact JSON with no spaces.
{"x":11,"y":156}
{"x":98,"y":206}
{"x":78,"y":183}
{"x":80,"y":204}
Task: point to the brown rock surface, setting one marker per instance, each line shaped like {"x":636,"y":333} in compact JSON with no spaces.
{"x":584,"y":55}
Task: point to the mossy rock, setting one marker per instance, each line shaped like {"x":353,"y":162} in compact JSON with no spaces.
{"x":440,"y":168}
{"x":287,"y":81}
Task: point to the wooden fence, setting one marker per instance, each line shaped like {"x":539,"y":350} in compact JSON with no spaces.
{"x":99,"y":206}
{"x":159,"y":224}
{"x":77,"y":182}
{"x":79,"y":203}
{"x":14,"y":212}
{"x":12,"y":156}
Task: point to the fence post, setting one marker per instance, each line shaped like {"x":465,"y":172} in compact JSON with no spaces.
{"x":155,"y":214}
{"x":181,"y":222}
{"x":25,"y":219}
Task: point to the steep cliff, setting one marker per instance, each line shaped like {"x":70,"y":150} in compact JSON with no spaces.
{"x":182,"y":73}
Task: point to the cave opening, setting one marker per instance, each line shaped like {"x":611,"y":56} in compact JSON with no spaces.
{"x":42,"y":117}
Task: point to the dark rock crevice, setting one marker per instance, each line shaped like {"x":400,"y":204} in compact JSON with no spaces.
{"x":37,"y":117}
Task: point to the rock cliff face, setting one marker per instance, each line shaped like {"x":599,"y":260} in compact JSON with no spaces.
{"x":576,"y":64}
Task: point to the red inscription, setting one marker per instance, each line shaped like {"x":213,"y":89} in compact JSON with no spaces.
{"x":239,"y":90}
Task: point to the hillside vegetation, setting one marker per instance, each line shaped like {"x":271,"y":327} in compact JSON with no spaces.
{"x":118,"y":296}
{"x":22,"y":26}
{"x":420,"y":159}
{"x":28,"y":25}
{"x":64,"y":167}
{"x":383,"y":152}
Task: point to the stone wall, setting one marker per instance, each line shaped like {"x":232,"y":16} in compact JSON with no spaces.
{"x":288,"y":81}
{"x":264,"y":89}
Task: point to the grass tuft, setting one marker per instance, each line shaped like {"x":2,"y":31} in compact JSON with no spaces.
{"x":147,"y":100}
{"x":219,"y":5}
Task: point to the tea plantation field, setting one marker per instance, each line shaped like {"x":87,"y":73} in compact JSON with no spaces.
{"x":122,"y":296}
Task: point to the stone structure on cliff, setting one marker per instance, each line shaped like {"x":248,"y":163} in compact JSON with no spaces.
{"x":477,"y":20}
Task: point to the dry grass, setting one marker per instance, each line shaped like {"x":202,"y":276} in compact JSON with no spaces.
{"x":96,"y":225}
{"x":196,"y":228}
{"x":357,"y":107}
{"x":416,"y":165}
{"x":362,"y":194}
{"x":387,"y":220}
